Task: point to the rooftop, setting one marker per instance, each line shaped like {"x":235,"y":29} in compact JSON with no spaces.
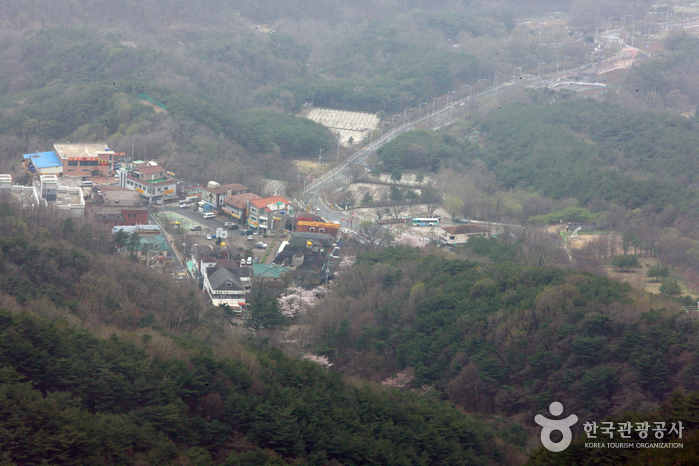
{"x":81,"y":150}
{"x":269,"y":201}
{"x":241,"y":200}
{"x":262,"y":271}
{"x":219,"y":277}
{"x":227,"y":187}
{"x":43,"y":159}
{"x":150,"y":169}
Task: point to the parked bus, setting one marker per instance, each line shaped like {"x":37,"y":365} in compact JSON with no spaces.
{"x":425,"y":222}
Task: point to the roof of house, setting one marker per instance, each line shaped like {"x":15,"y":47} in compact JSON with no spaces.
{"x":324,"y":238}
{"x":154,"y":242}
{"x":240,"y":200}
{"x":150,"y":169}
{"x":268,"y":271}
{"x":232,"y":262}
{"x":220,"y":277}
{"x":123,"y":198}
{"x":81,"y":150}
{"x":107,"y":212}
{"x":44,"y":159}
{"x":465,"y":229}
{"x":265,"y":201}
{"x":227,"y":187}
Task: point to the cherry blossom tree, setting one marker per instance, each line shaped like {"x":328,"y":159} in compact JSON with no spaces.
{"x":322,"y":361}
{"x":297,"y":299}
{"x":401,"y":380}
{"x":406,"y":239}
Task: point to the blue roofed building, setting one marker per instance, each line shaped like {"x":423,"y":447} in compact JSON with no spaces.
{"x":44,"y":163}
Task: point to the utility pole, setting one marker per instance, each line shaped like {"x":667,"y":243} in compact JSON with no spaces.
{"x":320,"y":167}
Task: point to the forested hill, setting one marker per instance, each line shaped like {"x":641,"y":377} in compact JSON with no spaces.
{"x":67,"y":397}
{"x":586,"y":149}
{"x":504,"y":339}
{"x":165,"y":384}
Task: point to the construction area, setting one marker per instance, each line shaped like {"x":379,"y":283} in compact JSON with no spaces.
{"x":355,"y":125}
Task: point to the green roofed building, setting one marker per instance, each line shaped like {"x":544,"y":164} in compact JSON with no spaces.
{"x":268,"y":273}
{"x":150,"y":180}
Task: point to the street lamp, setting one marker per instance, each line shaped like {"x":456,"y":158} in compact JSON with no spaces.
{"x":462,"y":91}
{"x":514,"y":73}
{"x":320,"y":169}
{"x":538,"y":67}
{"x":427,"y":106}
{"x":452,"y":99}
{"x":384,"y":105}
{"x":393,"y":120}
{"x":383,"y":123}
{"x":404,"y":112}
{"x":495,"y":81}
{"x":433,"y":101}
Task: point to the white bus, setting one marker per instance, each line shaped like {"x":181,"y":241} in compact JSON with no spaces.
{"x":425,"y":222}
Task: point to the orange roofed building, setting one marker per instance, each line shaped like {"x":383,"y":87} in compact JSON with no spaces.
{"x":318,"y":227}
{"x":265,"y":211}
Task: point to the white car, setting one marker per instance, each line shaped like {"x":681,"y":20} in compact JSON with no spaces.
{"x":208,"y":236}
{"x":261,"y":245}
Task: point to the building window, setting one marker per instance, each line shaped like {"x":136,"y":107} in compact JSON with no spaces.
{"x":72,"y":163}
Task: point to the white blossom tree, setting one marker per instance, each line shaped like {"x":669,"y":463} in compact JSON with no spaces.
{"x":297,"y":299}
{"x":406,"y":239}
{"x":322,"y":361}
{"x":401,"y":380}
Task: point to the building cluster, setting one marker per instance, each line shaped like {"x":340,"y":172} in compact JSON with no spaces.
{"x":74,"y":160}
{"x":119,"y":191}
{"x":46,"y":191}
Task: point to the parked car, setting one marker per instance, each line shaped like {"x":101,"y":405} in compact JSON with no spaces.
{"x":249,"y":237}
{"x":249,"y":262}
{"x":208,"y":236}
{"x":261,"y":245}
{"x":195,"y":228}
{"x":233,"y":226}
{"x":247,"y":232}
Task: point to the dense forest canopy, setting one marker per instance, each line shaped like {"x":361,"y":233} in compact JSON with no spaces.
{"x":506,"y":339}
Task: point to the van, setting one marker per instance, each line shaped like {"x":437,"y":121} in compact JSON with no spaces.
{"x":86,"y":184}
{"x":209,"y":215}
{"x":249,"y":262}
